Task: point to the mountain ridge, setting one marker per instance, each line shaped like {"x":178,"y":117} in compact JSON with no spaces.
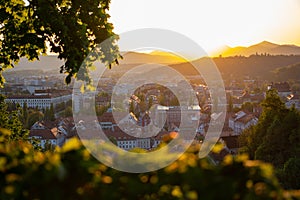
{"x":258,"y":64}
{"x":264,"y":47}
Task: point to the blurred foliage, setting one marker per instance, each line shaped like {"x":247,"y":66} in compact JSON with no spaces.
{"x":71,"y":172}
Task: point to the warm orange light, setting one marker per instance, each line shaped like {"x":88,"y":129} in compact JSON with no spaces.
{"x":173,"y":135}
{"x":214,"y":23}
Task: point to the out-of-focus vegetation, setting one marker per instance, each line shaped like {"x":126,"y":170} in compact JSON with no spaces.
{"x":71,"y":173}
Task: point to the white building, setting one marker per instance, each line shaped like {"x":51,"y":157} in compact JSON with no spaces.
{"x":41,"y":100}
{"x":126,"y":144}
{"x":143,"y":143}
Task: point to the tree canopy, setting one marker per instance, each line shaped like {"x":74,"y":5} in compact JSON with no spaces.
{"x":276,"y":137}
{"x":11,"y":121}
{"x":69,"y":28}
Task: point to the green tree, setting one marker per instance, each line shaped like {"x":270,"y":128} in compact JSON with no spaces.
{"x":60,"y":106}
{"x":174,"y":101}
{"x":25,"y":114}
{"x":68,"y":112}
{"x":103,"y":94}
{"x":69,"y":103}
{"x":161,"y":100}
{"x":150,"y":103}
{"x":46,"y":114}
{"x":257,"y":90}
{"x":247,"y":106}
{"x":100,"y":110}
{"x":34,"y":117}
{"x":275,"y":138}
{"x":272,"y":107}
{"x":11,"y":121}
{"x":142,"y":106}
{"x":71,"y":28}
{"x":51,"y":113}
{"x":291,"y":172}
{"x":141,"y":96}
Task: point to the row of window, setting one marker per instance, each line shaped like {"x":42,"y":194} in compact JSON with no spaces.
{"x":51,"y":141}
{"x":126,"y":146}
{"x":127,"y":142}
{"x":130,"y":146}
{"x":144,"y":142}
{"x":30,"y":100}
{"x":133,"y":141}
{"x":36,"y":104}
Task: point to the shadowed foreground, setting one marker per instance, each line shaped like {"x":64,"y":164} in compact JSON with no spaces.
{"x":71,"y":173}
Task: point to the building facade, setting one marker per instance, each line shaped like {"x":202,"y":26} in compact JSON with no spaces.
{"x":40,"y":99}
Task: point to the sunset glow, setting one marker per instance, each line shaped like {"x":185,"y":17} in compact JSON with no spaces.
{"x":214,"y":23}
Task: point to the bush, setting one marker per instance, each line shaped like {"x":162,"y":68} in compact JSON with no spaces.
{"x":71,"y":173}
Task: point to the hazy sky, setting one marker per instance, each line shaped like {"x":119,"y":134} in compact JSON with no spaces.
{"x":213,"y":23}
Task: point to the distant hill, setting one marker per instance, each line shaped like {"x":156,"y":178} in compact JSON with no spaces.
{"x":51,"y":62}
{"x":171,"y":56}
{"x":264,"y":67}
{"x":44,"y":63}
{"x":276,"y":67}
{"x":264,"y":47}
{"x":254,"y":66}
{"x":153,"y":57}
{"x":290,"y":72}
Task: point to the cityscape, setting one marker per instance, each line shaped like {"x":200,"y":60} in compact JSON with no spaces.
{"x":43,"y":94}
{"x":145,"y":100}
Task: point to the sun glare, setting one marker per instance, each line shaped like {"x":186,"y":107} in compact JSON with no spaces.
{"x":214,"y":23}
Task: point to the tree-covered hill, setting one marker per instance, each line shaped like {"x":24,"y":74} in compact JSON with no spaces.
{"x":255,"y":66}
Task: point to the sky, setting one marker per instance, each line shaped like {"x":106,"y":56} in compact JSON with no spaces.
{"x":213,"y":23}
